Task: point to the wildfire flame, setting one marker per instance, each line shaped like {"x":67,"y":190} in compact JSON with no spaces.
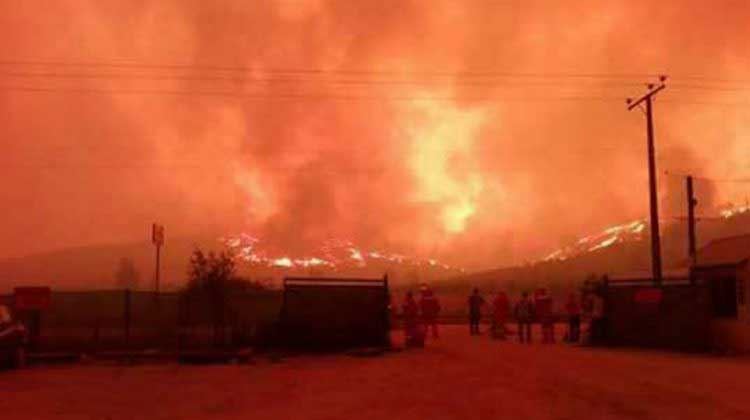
{"x":608,"y":237}
{"x":730,"y":212}
{"x":334,"y":253}
{"x":443,"y":159}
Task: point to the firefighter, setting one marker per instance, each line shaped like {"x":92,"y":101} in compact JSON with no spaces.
{"x":430,"y":309}
{"x":500,"y":311}
{"x":412,"y":333}
{"x":545,"y":314}
{"x":573,"y":310}
{"x":598,"y":321}
{"x":524,"y":313}
{"x":476,"y":301}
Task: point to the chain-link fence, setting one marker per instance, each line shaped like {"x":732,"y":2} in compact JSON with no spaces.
{"x":98,"y":321}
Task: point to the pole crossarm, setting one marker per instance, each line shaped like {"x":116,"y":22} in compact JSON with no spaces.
{"x":632,"y":104}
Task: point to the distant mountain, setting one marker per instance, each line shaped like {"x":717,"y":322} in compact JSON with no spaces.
{"x":94,"y":267}
{"x":619,"y":249}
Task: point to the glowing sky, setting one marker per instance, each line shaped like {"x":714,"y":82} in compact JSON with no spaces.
{"x":479,"y":132}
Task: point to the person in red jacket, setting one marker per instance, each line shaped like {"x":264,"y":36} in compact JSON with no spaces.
{"x":412,"y":331}
{"x":430,"y":308}
{"x":524,"y":313}
{"x":500,"y":313}
{"x":544,"y":312}
{"x":573,"y":309}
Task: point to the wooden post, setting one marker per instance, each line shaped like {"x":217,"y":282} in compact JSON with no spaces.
{"x":96,"y":335}
{"x":386,"y":312}
{"x":157,"y":238}
{"x":691,"y":202}
{"x":656,"y":264}
{"x":127,"y":318}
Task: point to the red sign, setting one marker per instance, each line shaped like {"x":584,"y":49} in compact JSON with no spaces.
{"x":540,"y":292}
{"x":157,"y":234}
{"x":32,"y":298}
{"x":651,"y":295}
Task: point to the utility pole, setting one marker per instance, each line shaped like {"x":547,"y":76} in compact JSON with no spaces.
{"x":157,"y":238}
{"x":653,"y":197}
{"x":691,"y":203}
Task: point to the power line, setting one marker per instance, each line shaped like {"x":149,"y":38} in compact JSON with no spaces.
{"x":358,"y":97}
{"x":709,"y":179}
{"x":208,"y":166}
{"x":199,"y":67}
{"x":455,"y":73}
{"x":301,"y":96}
{"x":346,"y":82}
{"x":710,"y":79}
{"x":228,"y":78}
{"x":711,"y":88}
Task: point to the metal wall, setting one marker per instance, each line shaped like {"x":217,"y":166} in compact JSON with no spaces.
{"x":330,"y":313}
{"x":680,"y":319}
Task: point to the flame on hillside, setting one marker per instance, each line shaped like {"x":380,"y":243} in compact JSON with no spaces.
{"x":631,"y":231}
{"x":608,"y":237}
{"x":733,"y":211}
{"x":332,"y":254}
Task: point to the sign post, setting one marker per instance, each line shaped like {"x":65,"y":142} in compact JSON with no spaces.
{"x":31,"y":301}
{"x":157,"y":238}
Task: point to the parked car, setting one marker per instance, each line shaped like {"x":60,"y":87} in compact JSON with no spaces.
{"x":13,"y":339}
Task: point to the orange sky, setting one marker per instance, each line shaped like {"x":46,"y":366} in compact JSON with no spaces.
{"x":480,"y":132}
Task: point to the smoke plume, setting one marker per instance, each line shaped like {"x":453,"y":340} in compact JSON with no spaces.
{"x":483,"y":133}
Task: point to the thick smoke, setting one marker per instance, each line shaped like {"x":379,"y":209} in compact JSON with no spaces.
{"x":393,"y":124}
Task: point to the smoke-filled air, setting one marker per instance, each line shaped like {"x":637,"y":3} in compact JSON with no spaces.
{"x":481,"y":133}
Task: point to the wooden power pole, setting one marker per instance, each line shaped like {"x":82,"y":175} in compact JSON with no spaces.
{"x":691,"y":203}
{"x":653,"y":197}
{"x":157,"y":238}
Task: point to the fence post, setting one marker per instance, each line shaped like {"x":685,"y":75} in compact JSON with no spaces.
{"x":36,"y":328}
{"x":97,"y":326}
{"x":188,"y":319}
{"x":386,"y":312}
{"x":183,"y":320}
{"x":127,"y":317}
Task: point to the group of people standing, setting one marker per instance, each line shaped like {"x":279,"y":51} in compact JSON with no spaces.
{"x":540,"y":308}
{"x":527,"y":310}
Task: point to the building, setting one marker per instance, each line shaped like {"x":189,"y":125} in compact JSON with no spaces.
{"x":703,"y":306}
{"x":675,"y":314}
{"x":724,"y":266}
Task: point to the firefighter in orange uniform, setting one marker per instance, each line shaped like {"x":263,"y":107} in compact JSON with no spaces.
{"x":430,"y":309}
{"x":412,"y":331}
{"x":500,"y":312}
{"x":544,"y":312}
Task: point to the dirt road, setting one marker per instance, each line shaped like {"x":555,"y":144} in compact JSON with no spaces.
{"x":456,"y":377}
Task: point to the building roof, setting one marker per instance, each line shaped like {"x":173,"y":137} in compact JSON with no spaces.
{"x":675,"y":274}
{"x":725,"y":251}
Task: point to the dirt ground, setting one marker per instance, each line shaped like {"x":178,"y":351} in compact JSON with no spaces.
{"x":455,"y":377}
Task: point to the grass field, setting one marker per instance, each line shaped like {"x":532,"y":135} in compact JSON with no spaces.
{"x":455,"y":377}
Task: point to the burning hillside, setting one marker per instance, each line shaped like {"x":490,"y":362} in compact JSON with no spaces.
{"x":636,"y":231}
{"x":733,"y":211}
{"x":632,"y":231}
{"x":332,"y":256}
